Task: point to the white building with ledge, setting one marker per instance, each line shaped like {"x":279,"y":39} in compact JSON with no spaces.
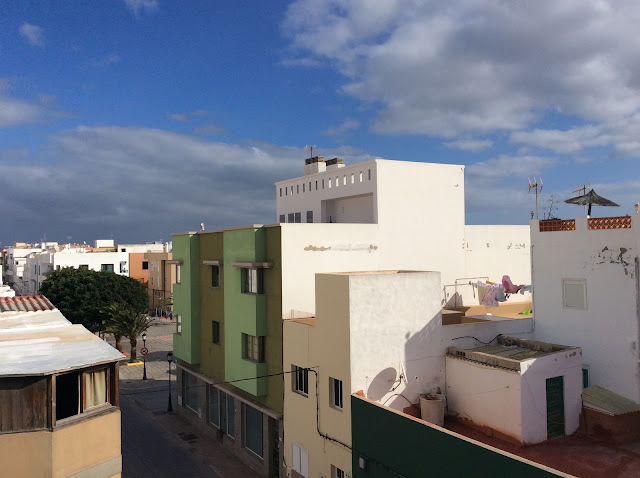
{"x":587,"y":293}
{"x":417,"y":212}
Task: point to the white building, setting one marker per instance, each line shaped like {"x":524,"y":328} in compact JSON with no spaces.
{"x":142,"y":248}
{"x":587,"y":293}
{"x":415,"y":212}
{"x":375,"y":333}
{"x":16,"y":260}
{"x":38,"y":265}
{"x":526,"y":391}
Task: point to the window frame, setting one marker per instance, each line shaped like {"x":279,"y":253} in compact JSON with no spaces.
{"x":83,"y":410}
{"x":229,"y":402}
{"x":251,"y":285}
{"x":179,"y":324}
{"x":575,"y":282}
{"x":251,"y":344}
{"x":215,"y":276}
{"x":245,"y":435}
{"x":215,"y":332}
{"x":145,"y":265}
{"x":106,"y":268}
{"x":336,"y":392}
{"x":300,"y":382}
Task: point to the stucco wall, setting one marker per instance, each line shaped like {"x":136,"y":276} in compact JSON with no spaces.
{"x":186,"y":345}
{"x":607,"y":330}
{"x":487,"y":396}
{"x":67,"y":450}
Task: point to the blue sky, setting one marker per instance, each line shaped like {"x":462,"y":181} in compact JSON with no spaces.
{"x":134,"y":119}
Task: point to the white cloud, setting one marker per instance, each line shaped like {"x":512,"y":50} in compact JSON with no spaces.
{"x":188,"y":116}
{"x":622,"y":134}
{"x":473,"y":145}
{"x":509,"y":166}
{"x":33,"y":34}
{"x":210,"y":129}
{"x":138,"y":6}
{"x":105,"y":60}
{"x":165,"y":181}
{"x":15,"y":112}
{"x":348,"y":124}
{"x":449,"y":68}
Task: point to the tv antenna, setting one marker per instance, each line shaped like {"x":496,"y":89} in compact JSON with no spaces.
{"x":583,"y":190}
{"x":310,"y":148}
{"x":537,"y":185}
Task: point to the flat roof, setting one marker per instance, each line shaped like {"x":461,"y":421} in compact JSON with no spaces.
{"x":44,"y":342}
{"x":508,"y":352}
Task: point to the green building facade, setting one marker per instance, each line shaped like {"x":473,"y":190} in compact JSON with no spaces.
{"x":229,"y":341}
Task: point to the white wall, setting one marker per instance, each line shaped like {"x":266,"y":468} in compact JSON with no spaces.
{"x":488,"y":396}
{"x":535,"y":373}
{"x":511,"y":402}
{"x":140,"y":248}
{"x":607,"y":331}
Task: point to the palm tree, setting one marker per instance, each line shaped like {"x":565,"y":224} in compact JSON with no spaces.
{"x":114,"y":310}
{"x":124,"y":320}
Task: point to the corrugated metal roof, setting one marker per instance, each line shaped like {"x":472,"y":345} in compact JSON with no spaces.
{"x":599,"y":398}
{"x":25,"y":303}
{"x":43,"y":342}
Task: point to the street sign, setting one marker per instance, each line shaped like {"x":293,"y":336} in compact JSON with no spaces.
{"x":144,"y":350}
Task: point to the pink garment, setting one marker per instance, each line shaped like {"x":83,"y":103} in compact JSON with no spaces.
{"x":509,"y":287}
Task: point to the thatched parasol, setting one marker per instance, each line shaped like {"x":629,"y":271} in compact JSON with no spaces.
{"x":591,"y":198}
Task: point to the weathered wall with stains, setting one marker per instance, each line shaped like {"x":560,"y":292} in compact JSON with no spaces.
{"x":607,"y":329}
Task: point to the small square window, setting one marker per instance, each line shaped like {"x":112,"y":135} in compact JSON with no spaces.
{"x":335,"y":390}
{"x":574,"y":293}
{"x":291,"y":217}
{"x":309,"y":216}
{"x":215,"y":276}
{"x":215,"y":331}
{"x":300,"y":379}
{"x":253,"y":281}
{"x":145,"y":265}
{"x":106,"y":267}
{"x":298,"y":217}
{"x":253,"y":348}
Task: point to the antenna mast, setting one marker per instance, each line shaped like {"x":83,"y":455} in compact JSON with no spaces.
{"x":534,"y":185}
{"x":583,"y":190}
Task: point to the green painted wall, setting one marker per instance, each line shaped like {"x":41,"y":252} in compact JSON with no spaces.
{"x":395,"y":445}
{"x":211,"y":307}
{"x":244,"y":313}
{"x":186,"y":345}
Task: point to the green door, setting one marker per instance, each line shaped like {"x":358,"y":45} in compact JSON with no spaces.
{"x":555,"y":407}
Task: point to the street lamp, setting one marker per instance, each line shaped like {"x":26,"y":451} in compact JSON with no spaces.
{"x":170,"y":359}
{"x":144,"y":356}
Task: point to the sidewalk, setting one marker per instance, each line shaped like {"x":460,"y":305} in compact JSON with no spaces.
{"x":152,"y":396}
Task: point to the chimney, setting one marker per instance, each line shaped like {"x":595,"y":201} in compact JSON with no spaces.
{"x":335,"y":163}
{"x":314,"y":165}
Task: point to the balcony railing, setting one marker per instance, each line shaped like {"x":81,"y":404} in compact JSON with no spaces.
{"x":557,"y":225}
{"x":621,"y":222}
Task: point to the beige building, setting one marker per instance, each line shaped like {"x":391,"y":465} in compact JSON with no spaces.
{"x":161,"y":277}
{"x":58,"y":393}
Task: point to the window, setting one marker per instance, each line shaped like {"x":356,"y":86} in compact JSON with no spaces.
{"x":300,"y":459}
{"x":178,"y":273}
{"x":369,"y":174}
{"x":329,"y":183}
{"x":585,"y":376}
{"x":253,"y":429}
{"x":145,"y":265}
{"x":222,"y":411}
{"x":344,"y":180}
{"x":298,"y":217}
{"x":309,"y":216}
{"x":336,"y":472}
{"x":316,"y":185}
{"x":323,"y":184}
{"x":291,"y":217}
{"x":79,"y":391}
{"x":297,"y":189}
{"x":123,"y":267}
{"x":192,"y":386}
{"x":286,"y":191}
{"x":574,"y":293}
{"x":280,"y":192}
{"x":215,"y":331}
{"x":215,"y":276}
{"x":253,"y":347}
{"x":282,"y":218}
{"x":304,"y":187}
{"x":106,"y":267}
{"x":178,"y":324}
{"x":309,"y":186}
{"x":360,"y":176}
{"x":337,"y":181}
{"x":253,"y":281}
{"x":335,"y":388}
{"x":300,"y":380}
{"x":353,"y":178}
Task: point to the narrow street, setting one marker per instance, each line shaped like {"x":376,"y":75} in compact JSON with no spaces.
{"x":156,"y":443}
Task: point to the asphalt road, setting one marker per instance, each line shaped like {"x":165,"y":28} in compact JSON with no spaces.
{"x":150,"y":451}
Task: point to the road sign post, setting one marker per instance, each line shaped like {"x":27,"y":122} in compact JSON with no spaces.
{"x":144,"y":351}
